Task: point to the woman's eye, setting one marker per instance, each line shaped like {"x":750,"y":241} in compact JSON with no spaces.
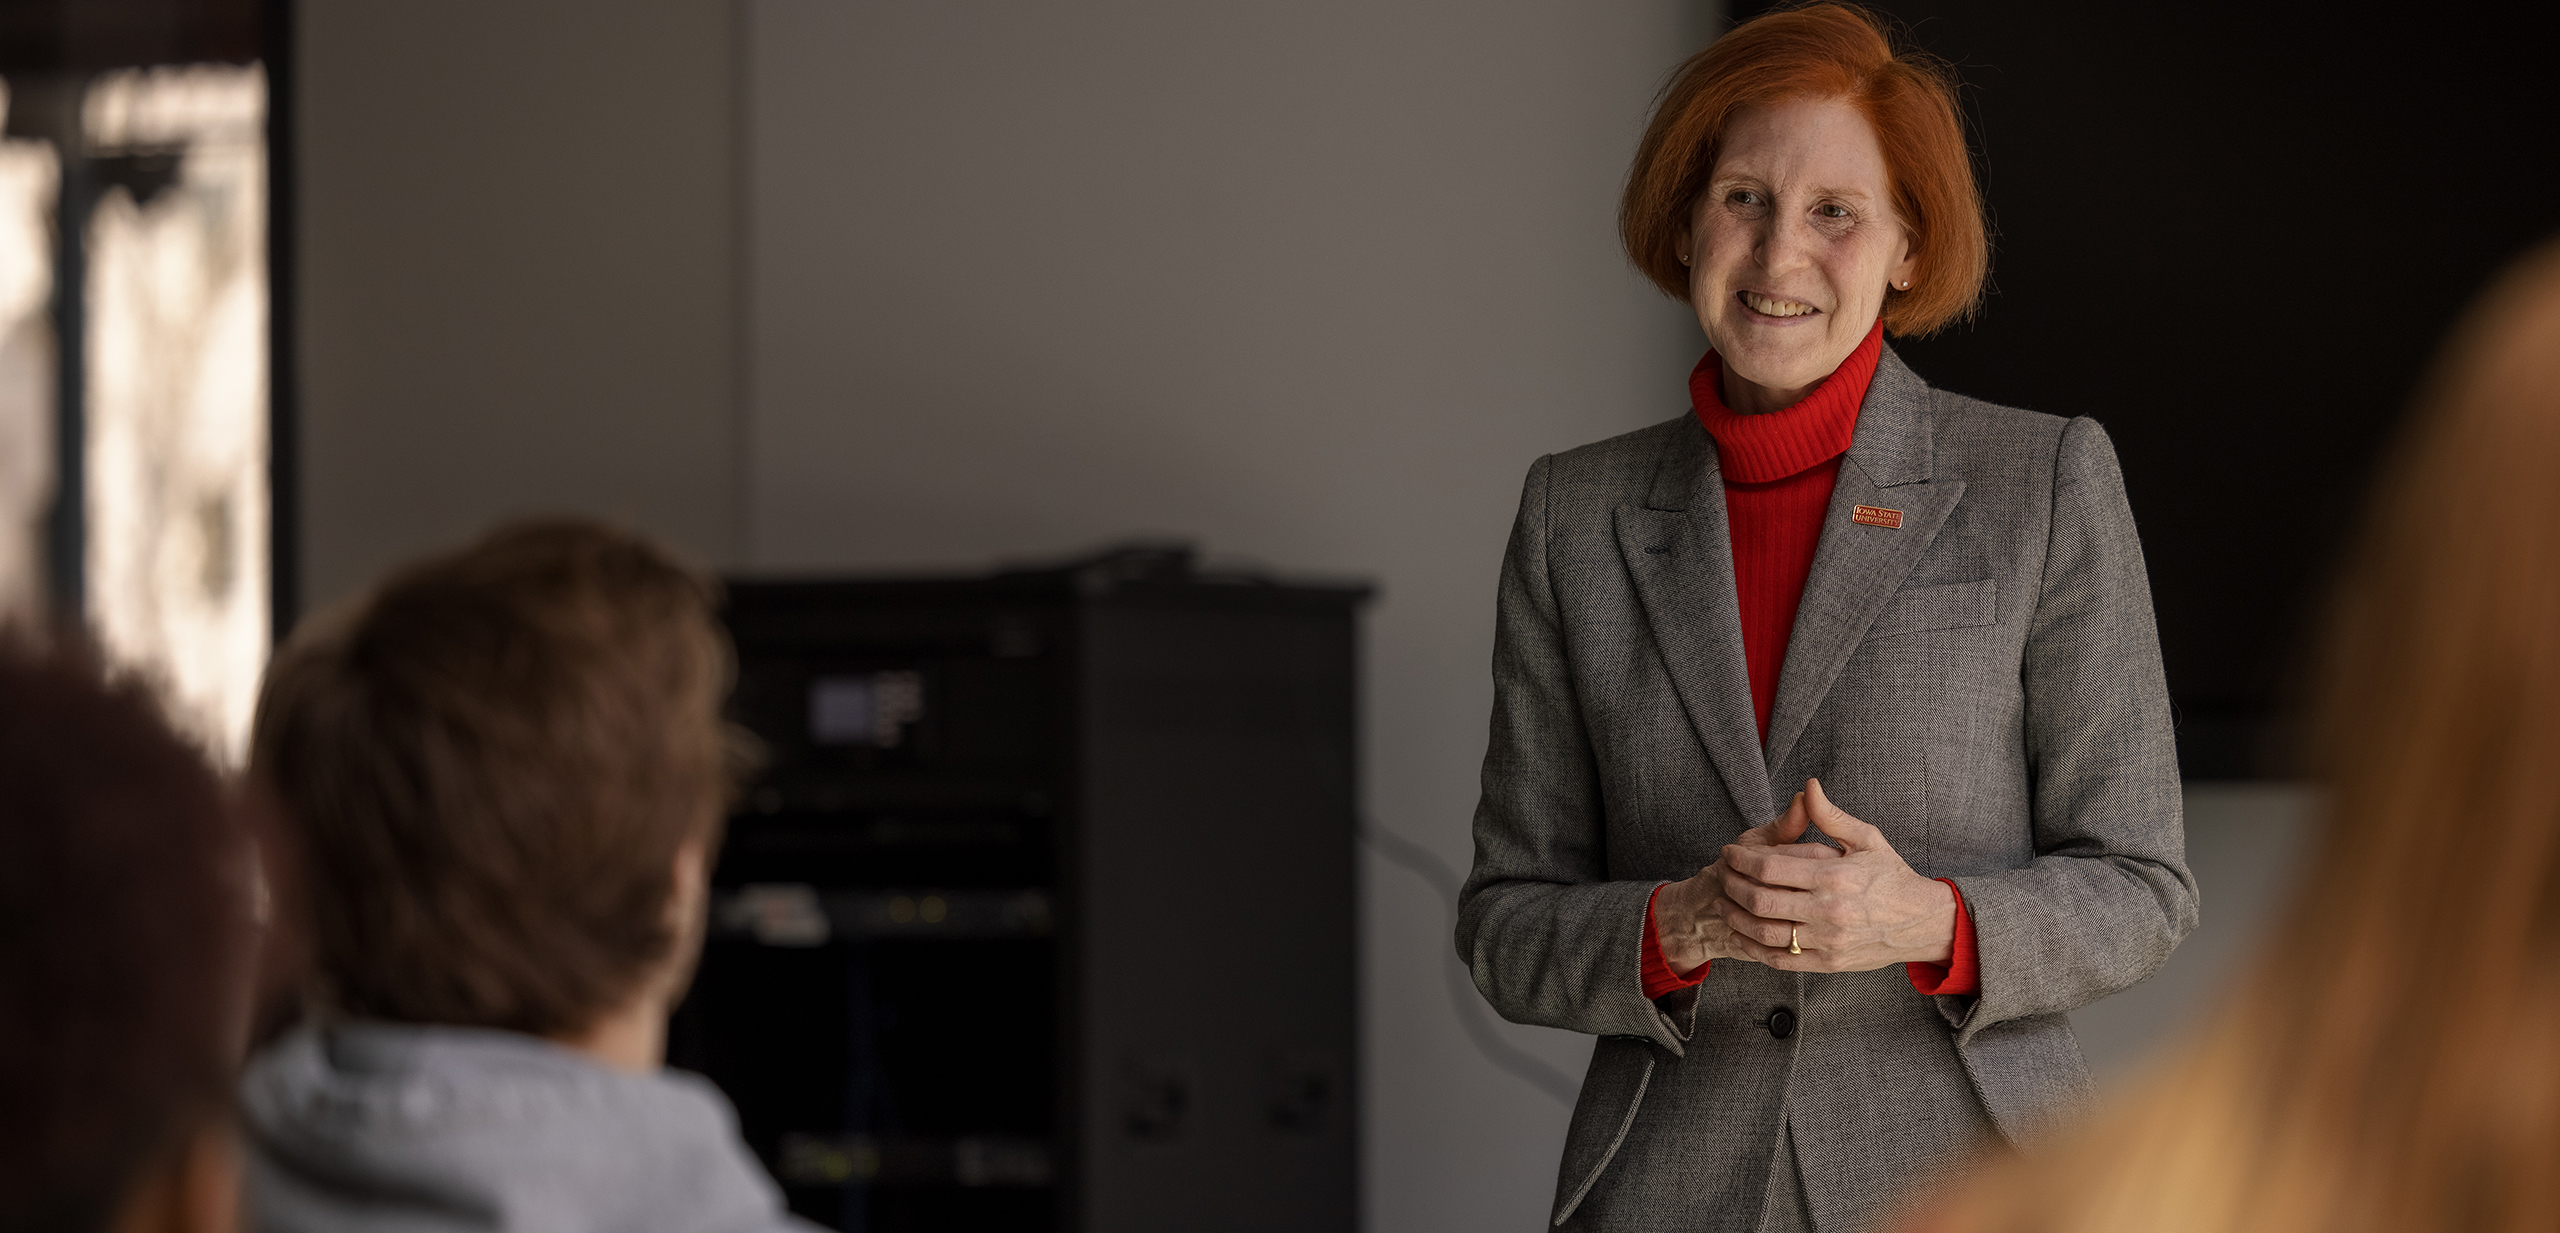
{"x":1831,"y":210}
{"x":1744,"y":196}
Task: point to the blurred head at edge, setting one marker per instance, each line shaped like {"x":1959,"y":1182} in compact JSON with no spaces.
{"x":127,"y":932}
{"x":2391,"y":1058}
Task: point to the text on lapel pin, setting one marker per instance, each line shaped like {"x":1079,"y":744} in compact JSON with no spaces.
{"x":1875,"y":516}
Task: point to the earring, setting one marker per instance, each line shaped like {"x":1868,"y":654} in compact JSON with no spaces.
{"x":1905,"y":284}
{"x":1684,"y":258}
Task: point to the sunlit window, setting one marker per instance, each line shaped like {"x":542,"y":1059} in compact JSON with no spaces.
{"x":163,"y":545}
{"x":176,"y":407}
{"x":27,"y":175}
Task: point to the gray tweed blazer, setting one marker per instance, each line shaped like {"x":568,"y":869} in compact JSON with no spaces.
{"x":1982,"y":682}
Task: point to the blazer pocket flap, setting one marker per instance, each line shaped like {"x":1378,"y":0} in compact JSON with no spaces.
{"x":1954,"y":605}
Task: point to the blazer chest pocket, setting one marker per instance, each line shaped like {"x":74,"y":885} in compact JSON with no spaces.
{"x":1952,"y":606}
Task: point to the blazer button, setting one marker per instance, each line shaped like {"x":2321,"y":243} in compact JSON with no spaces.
{"x":1782,"y":1023}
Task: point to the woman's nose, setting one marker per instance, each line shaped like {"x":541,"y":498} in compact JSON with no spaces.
{"x":1785,"y":244}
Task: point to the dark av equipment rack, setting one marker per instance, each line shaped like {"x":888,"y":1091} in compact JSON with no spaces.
{"x":1040,"y":914}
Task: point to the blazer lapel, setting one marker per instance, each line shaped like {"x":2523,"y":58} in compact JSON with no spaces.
{"x":1858,"y":566}
{"x":1679,"y":552}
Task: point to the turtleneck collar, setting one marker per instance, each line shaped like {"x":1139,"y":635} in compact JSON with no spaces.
{"x":1755,"y":449}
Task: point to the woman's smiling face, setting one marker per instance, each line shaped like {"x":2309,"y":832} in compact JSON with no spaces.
{"x":1792,"y":246}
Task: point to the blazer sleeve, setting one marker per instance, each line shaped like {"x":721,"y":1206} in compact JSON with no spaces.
{"x":2108,"y":894}
{"x":1549,"y":939}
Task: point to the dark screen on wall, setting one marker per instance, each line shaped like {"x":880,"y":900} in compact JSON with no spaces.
{"x":2235,"y":235}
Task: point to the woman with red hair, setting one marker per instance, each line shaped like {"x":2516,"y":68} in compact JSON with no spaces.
{"x":1928,"y":612}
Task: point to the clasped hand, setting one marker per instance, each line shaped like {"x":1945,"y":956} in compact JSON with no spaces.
{"x":1853,"y":908}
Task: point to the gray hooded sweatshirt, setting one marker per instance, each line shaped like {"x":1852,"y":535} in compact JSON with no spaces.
{"x":377,"y":1128}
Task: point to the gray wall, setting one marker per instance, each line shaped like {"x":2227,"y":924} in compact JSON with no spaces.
{"x":808,"y":285}
{"x":1312,"y":283}
{"x":518,"y":246}
{"x":2243,"y":841}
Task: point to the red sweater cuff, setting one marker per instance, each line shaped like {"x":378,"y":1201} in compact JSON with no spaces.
{"x":1961,"y":974}
{"x":1659,"y":979}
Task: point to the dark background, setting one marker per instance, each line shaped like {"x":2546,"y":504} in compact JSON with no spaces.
{"x":2235,"y":236}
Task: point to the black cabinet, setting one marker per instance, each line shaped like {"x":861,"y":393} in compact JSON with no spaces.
{"x":1040,"y":914}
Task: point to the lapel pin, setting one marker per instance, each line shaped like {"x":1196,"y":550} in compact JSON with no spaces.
{"x":1874,"y":516}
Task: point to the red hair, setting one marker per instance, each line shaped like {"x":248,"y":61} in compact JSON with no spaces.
{"x":1820,"y":51}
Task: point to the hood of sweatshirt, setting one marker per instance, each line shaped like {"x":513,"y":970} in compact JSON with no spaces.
{"x":368,"y":1126}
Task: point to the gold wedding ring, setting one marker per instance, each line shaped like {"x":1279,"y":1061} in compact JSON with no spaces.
{"x":1792,"y":948}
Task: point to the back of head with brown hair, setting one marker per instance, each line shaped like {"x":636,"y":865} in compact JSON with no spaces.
{"x":2392,"y":1059}
{"x":1823,"y":50}
{"x":489,"y":765}
{"x":125,"y":939}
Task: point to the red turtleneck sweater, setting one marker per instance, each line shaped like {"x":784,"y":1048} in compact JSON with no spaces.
{"x":1778,"y":471}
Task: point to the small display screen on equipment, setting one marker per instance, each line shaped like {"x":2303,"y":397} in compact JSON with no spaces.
{"x":865,"y":708}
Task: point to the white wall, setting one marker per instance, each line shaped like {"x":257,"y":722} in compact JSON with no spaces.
{"x":518,"y":259}
{"x":1312,"y":283}
{"x":2245,"y":841}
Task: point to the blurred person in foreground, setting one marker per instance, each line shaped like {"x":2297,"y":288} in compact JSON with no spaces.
{"x":503,"y":775}
{"x":126,"y":941}
{"x":2392,"y":1059}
